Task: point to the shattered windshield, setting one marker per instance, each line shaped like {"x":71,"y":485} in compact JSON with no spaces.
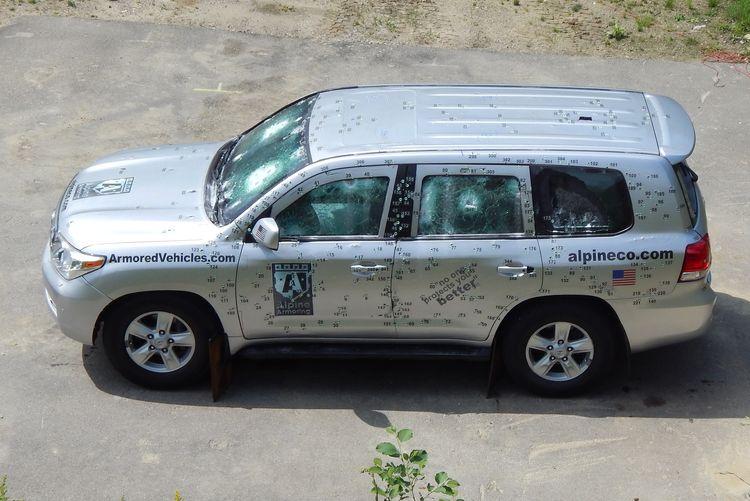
{"x":262,"y":157}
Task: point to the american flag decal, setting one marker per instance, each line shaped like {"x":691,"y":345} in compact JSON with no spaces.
{"x":623,"y":277}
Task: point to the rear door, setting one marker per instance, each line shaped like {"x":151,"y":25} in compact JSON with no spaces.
{"x":470,"y":251}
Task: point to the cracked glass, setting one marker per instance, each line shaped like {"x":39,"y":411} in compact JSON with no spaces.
{"x":580,"y":200}
{"x":470,"y":205}
{"x":341,"y":208}
{"x":264,"y":156}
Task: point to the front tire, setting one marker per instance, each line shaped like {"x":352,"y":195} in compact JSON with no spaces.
{"x":158,"y":342}
{"x":556,"y":350}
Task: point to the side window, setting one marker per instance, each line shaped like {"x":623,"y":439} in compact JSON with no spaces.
{"x":580,"y":200}
{"x":341,"y":208}
{"x":470,"y":205}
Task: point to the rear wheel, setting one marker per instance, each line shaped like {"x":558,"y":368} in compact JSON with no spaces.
{"x":555,"y":350}
{"x":158,"y":342}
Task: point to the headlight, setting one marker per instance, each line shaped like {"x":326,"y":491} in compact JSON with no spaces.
{"x":69,"y":261}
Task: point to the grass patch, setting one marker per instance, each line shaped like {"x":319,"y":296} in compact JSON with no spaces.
{"x":669,"y":4}
{"x":739,"y":12}
{"x":276,"y":8}
{"x":617,"y":32}
{"x":645,"y":21}
{"x":712,"y":4}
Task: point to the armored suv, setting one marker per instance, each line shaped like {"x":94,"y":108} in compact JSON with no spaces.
{"x":551,"y":229}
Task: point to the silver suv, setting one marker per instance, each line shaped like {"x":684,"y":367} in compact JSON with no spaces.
{"x":550,"y":229}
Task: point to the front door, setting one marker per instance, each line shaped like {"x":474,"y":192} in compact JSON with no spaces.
{"x":331,"y":275}
{"x":470,"y":254}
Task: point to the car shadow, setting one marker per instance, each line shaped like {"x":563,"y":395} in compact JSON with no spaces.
{"x":705,"y":378}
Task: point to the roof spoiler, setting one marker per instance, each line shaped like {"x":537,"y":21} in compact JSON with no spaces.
{"x":674,"y":131}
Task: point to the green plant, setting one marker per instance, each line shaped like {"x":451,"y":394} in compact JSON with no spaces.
{"x":576,"y":7}
{"x":71,"y":3}
{"x":644,"y":21}
{"x":617,"y":32}
{"x":516,"y":2}
{"x":739,"y":13}
{"x":669,"y":4}
{"x":712,"y":4}
{"x":403,"y":478}
{"x":4,"y":489}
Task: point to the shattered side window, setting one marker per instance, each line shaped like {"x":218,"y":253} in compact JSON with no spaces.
{"x":470,"y":205}
{"x":264,"y":156}
{"x":580,"y":200}
{"x":342,"y":208}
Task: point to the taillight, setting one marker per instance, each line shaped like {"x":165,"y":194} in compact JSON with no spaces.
{"x":697,"y":260}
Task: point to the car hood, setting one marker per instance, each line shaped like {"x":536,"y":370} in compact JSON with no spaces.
{"x":144,"y":195}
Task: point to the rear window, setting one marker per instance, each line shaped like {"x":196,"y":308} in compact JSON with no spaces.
{"x":687,"y":178}
{"x":580,"y":200}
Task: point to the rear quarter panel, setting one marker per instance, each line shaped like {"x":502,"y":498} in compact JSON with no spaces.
{"x":653,"y":247}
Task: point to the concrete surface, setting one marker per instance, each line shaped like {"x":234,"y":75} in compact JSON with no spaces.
{"x":70,"y":428}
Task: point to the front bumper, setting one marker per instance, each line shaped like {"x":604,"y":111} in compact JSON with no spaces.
{"x":684,"y":314}
{"x":75,"y":304}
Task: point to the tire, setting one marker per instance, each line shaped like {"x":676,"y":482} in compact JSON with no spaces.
{"x":569,"y":367}
{"x":177,"y":353}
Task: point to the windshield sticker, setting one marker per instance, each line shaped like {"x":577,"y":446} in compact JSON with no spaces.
{"x":106,"y":187}
{"x":292,"y":289}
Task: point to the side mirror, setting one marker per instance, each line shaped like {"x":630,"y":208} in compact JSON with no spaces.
{"x":266,"y":233}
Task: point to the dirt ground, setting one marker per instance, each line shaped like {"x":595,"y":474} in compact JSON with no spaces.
{"x":671,"y":29}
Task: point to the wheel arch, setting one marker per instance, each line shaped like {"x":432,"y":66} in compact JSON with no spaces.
{"x":622,"y":345}
{"x":191,"y":297}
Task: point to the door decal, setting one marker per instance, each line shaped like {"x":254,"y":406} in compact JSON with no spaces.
{"x":292,"y":289}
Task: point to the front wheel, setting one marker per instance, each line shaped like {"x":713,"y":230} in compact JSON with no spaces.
{"x":159,"y":342}
{"x":555,"y":350}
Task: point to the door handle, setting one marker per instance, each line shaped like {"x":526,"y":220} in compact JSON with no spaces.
{"x":366,"y":270}
{"x":515,"y":271}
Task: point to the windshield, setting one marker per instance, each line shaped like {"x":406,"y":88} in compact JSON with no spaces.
{"x":262,"y":157}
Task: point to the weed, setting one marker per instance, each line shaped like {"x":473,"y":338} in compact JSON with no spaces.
{"x":739,"y":13}
{"x":644,"y":21}
{"x":669,"y":4}
{"x":576,"y":7}
{"x":691,"y":41}
{"x":4,"y":489}
{"x":690,"y":5}
{"x":712,"y":4}
{"x":71,"y":3}
{"x":516,"y":2}
{"x":404,"y":477}
{"x":617,"y":32}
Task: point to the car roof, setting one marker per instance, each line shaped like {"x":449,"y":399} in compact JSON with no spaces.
{"x":397,"y":118}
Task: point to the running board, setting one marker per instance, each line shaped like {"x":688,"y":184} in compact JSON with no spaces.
{"x":410,"y":351}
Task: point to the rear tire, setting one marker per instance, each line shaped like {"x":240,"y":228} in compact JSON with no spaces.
{"x":158,"y":342}
{"x":556,"y":350}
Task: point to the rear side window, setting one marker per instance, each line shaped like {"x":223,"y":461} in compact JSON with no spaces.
{"x":687,"y":179}
{"x":470,"y":205}
{"x":580,"y":200}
